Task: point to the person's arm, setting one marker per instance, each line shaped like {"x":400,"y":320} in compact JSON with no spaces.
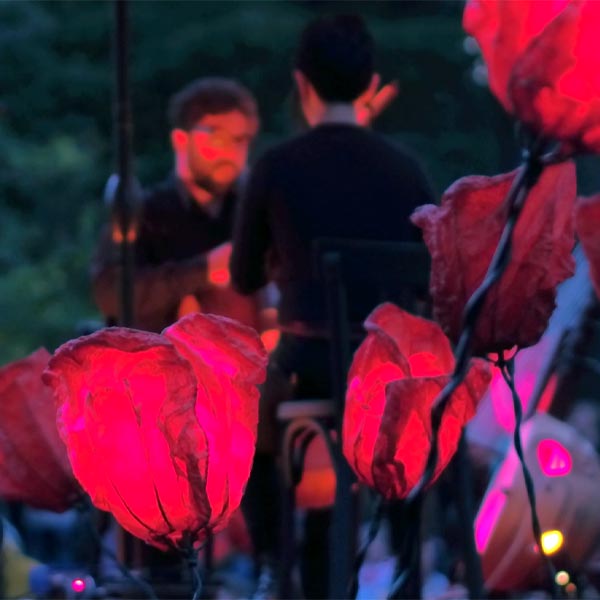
{"x":158,"y":289}
{"x":252,"y":234}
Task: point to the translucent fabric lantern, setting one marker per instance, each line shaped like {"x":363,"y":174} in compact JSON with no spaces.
{"x":161,"y":429}
{"x":462,"y":235}
{"x":34,"y":467}
{"x":543,"y":59}
{"x":396,"y":374}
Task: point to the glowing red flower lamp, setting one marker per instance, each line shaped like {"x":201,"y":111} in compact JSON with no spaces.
{"x":161,"y":429}
{"x":34,"y":467}
{"x":395,"y":377}
{"x":462,"y":235}
{"x":543,"y":59}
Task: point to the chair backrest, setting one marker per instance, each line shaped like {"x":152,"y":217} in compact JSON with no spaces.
{"x":357,"y":276}
{"x":383,"y":271}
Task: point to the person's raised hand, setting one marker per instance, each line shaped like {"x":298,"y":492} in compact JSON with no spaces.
{"x":218,"y":265}
{"x":375,"y":100}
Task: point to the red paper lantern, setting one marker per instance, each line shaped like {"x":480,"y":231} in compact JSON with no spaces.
{"x":395,"y":377}
{"x":462,"y":235}
{"x":587,"y":225}
{"x":161,"y":429}
{"x":543,"y":59}
{"x":34,"y":467}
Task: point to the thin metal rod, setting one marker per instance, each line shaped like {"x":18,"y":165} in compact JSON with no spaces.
{"x":123,"y":217}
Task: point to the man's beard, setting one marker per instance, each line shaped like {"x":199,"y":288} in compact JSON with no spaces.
{"x":216,"y":188}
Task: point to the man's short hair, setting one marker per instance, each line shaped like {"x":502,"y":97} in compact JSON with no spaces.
{"x":336,"y":54}
{"x":209,"y":96}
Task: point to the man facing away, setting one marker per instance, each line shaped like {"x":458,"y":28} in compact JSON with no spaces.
{"x":185,"y":223}
{"x":337,"y":180}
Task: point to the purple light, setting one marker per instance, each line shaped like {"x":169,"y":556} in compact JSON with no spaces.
{"x":78,"y":585}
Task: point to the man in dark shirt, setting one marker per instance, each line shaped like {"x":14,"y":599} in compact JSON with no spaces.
{"x":337,"y":180}
{"x":185,"y":225}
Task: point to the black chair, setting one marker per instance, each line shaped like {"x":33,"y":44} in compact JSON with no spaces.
{"x":389,"y":271}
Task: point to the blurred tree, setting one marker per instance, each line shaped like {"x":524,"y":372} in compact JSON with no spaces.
{"x":56,"y":140}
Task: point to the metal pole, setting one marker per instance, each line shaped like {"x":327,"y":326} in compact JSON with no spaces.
{"x":123,"y":221}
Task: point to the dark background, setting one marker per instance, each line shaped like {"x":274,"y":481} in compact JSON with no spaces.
{"x":56,"y":120}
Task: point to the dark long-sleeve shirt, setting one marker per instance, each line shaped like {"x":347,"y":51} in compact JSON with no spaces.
{"x":335,"y":181}
{"x":174,"y":235}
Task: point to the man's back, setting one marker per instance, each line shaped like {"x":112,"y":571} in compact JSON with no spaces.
{"x":335,"y":181}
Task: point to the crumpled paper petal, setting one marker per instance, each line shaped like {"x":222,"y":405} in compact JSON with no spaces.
{"x":462,"y":235}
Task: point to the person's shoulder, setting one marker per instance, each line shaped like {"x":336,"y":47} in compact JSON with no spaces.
{"x":394,"y":146}
{"x":284,"y":148}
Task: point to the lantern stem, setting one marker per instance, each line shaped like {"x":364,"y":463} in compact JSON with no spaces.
{"x":84,"y":508}
{"x":407,"y":577}
{"x":526,"y":178}
{"x":362,"y":553}
{"x":507,"y":368}
{"x":533,"y":163}
{"x":194,"y":568}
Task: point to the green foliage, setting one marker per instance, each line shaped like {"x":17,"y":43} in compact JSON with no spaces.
{"x":56,"y":131}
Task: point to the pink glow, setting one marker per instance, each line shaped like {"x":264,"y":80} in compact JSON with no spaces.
{"x":487,"y":518}
{"x":554,"y":458}
{"x":78,"y":585}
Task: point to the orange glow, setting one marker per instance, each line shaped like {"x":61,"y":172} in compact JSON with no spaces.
{"x":562,"y":578}
{"x":270,"y":339}
{"x":552,"y":541}
{"x":117,"y":234}
{"x":189,"y":304}
{"x":317,"y":486}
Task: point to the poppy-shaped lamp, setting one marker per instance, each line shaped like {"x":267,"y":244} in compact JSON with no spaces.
{"x":161,"y":429}
{"x":396,"y":375}
{"x":34,"y":467}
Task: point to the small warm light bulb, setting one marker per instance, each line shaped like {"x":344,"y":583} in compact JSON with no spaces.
{"x":552,"y":541}
{"x":78,"y":585}
{"x":562,"y":578}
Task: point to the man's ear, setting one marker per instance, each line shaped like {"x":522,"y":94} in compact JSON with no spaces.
{"x":179,"y":140}
{"x":302,"y":84}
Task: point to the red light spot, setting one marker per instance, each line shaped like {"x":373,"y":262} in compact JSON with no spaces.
{"x":78,"y":585}
{"x":425,"y":364}
{"x":219,"y":277}
{"x":554,"y":458}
